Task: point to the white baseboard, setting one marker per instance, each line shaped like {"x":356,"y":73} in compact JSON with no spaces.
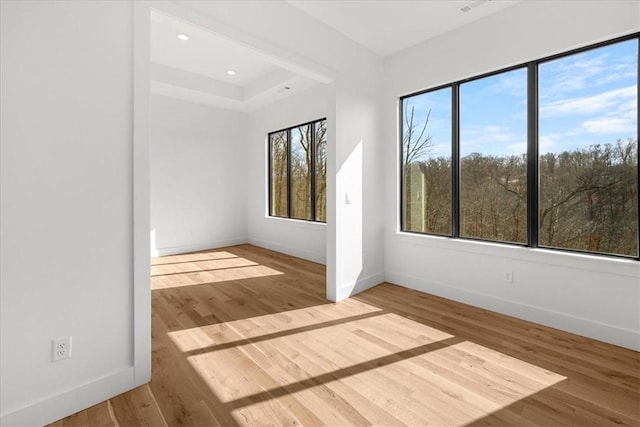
{"x":296,"y":252}
{"x":566,"y":322}
{"x":176,"y":250}
{"x":361,"y":284}
{"x":69,"y":402}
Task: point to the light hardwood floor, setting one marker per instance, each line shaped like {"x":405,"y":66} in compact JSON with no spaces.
{"x":244,"y":336}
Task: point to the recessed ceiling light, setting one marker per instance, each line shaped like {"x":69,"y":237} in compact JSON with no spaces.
{"x":231,"y":72}
{"x":183,"y":37}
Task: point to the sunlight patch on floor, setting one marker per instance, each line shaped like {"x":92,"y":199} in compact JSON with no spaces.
{"x":212,"y":276}
{"x":192,"y":257}
{"x":257,"y":327}
{"x":251,"y":368}
{"x":195,"y":266}
{"x":375,"y":362}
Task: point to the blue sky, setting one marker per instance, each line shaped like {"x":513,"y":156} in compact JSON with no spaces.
{"x":584,"y":99}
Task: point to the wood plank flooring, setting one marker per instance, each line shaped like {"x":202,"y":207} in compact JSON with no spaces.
{"x":244,"y":336}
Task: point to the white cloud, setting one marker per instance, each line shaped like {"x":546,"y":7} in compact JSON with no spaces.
{"x":513,"y":83}
{"x":440,"y":150}
{"x":546,"y":142}
{"x":491,"y":139}
{"x":565,"y":75}
{"x":609,"y":125}
{"x":489,"y":134}
{"x":602,"y":102}
{"x":626,"y":67}
{"x":492,"y":129}
{"x":620,"y":120}
{"x":517,"y":148}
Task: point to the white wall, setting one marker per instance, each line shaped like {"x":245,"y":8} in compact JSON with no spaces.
{"x":66,"y":255}
{"x":198,"y":176}
{"x":589,"y":295}
{"x":358,"y":186}
{"x":303,"y":239}
{"x":354,"y":254}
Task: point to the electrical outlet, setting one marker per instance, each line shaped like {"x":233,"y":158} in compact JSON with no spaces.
{"x":507,"y":276}
{"x":61,"y":349}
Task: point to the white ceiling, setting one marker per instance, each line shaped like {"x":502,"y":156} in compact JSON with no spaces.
{"x":387,"y":27}
{"x":196,"y":70}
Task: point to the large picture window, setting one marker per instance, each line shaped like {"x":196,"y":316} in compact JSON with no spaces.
{"x":542,"y":155}
{"x":298,"y":172}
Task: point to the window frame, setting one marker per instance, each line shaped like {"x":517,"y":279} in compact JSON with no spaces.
{"x":456,"y":112}
{"x":533,"y":189}
{"x":312,"y":171}
{"x":454,"y":137}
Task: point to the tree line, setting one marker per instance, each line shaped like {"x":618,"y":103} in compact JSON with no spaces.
{"x":588,"y":197}
{"x":301,"y":172}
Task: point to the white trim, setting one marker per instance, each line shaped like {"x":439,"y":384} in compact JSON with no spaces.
{"x":577,"y":325}
{"x":320,"y":258}
{"x":69,"y":402}
{"x":176,"y":250}
{"x":141,"y":196}
{"x":333,"y":225}
{"x":350,"y":289}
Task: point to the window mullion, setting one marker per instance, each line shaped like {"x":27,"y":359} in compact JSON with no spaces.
{"x":401,"y":165}
{"x":289,"y":178}
{"x":532,"y":156}
{"x":455,"y":160}
{"x":269,"y":176}
{"x":312,"y":149}
{"x":638,"y":146}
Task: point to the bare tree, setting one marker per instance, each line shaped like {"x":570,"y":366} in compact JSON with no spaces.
{"x":279,"y":174}
{"x":415,"y":141}
{"x":301,"y":173}
{"x":416,"y":144}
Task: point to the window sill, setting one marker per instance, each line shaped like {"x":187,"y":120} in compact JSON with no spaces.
{"x":597,"y":263}
{"x":297,"y":223}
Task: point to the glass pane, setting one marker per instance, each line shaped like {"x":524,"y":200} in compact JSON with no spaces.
{"x":301,"y":172}
{"x":321,"y":170}
{"x":278,"y":164}
{"x":426,"y":162}
{"x":493,"y":157}
{"x":589,"y":150}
